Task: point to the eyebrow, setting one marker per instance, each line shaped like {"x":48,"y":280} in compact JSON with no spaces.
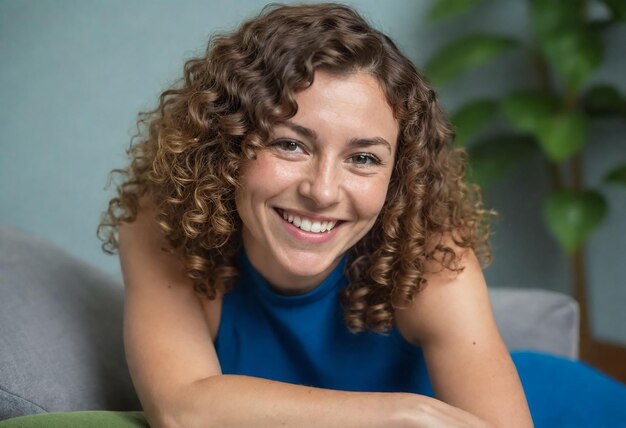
{"x":354,"y":142}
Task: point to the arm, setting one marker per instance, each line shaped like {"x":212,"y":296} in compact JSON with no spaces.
{"x":176,"y":372}
{"x":468,"y":363}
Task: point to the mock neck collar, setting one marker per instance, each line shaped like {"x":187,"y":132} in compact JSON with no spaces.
{"x":251,"y":277}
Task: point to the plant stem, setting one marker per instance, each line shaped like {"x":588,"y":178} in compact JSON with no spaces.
{"x":555,"y":175}
{"x":542,"y":71}
{"x":577,"y":172}
{"x":577,"y":262}
{"x":576,"y":259}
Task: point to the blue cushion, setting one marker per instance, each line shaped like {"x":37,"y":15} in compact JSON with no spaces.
{"x":568,"y":393}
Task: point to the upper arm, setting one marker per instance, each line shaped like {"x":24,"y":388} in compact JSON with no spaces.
{"x":166,"y":336}
{"x":468,"y":363}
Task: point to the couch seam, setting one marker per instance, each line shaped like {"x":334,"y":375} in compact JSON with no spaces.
{"x":22,"y":398}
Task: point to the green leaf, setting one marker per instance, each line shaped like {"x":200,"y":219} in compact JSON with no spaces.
{"x":563,"y":135}
{"x":490,"y":159}
{"x":442,"y":9}
{"x":554,"y":16}
{"x":618,"y":8}
{"x":528,"y":110}
{"x":603,"y":99}
{"x":572,"y":216}
{"x":574,"y":53}
{"x":617,"y":175}
{"x":465,"y":54}
{"x":571,"y":46}
{"x":470,"y":118}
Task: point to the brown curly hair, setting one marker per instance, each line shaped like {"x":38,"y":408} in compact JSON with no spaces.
{"x":187,"y":153}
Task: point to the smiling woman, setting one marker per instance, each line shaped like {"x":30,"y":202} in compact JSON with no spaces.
{"x":316,"y":172}
{"x":299,"y":247}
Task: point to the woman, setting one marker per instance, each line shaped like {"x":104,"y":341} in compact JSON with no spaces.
{"x":298,"y":245}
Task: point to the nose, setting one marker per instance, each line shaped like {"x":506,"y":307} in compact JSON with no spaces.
{"x":321,"y":184}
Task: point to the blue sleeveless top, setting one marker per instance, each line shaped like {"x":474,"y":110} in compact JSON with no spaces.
{"x":304,"y":340}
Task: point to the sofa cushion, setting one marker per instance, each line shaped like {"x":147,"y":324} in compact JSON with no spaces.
{"x":534,"y":319}
{"x":61,"y":346}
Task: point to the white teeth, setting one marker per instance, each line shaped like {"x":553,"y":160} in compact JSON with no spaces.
{"x":306,"y":225}
{"x":309,"y":225}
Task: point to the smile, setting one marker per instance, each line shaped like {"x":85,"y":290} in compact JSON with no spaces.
{"x":308,"y":224}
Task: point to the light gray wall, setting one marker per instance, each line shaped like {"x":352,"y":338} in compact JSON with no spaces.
{"x":74,"y":74}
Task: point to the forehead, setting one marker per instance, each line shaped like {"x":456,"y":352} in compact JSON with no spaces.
{"x":346,"y":104}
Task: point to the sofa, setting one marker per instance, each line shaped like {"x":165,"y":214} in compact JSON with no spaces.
{"x":61,"y":346}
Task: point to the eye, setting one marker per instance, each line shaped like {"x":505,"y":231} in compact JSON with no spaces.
{"x":365,"y":159}
{"x":289,"y":146}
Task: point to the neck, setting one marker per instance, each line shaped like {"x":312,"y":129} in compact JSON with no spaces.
{"x":281,"y":280}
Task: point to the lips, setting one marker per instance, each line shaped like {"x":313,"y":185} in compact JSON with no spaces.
{"x":308,"y":224}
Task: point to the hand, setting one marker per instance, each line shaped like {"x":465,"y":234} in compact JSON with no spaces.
{"x":420,"y":411}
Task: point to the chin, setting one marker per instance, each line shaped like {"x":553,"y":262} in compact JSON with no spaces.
{"x":308,"y":265}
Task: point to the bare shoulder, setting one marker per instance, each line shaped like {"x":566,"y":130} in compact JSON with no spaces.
{"x":449,"y":297}
{"x":167,"y":336}
{"x":143,"y":240}
{"x":468,"y":364}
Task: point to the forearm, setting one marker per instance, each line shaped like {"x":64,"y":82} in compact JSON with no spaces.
{"x":241,"y":401}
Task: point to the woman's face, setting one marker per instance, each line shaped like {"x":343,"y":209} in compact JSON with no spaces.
{"x":320,"y":182}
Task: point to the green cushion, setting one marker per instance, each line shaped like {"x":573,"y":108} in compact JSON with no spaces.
{"x":91,"y":419}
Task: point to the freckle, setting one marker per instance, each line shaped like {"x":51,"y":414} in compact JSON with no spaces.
{"x":473,"y":343}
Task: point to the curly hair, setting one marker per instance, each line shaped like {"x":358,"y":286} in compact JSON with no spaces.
{"x":187,"y":154}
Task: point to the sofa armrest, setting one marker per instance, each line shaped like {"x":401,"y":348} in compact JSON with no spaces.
{"x":61,"y":345}
{"x":534,"y":319}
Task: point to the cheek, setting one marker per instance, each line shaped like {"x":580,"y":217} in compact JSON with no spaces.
{"x":253,"y":170}
{"x":369,"y":198}
{"x":262,"y":179}
{"x":256,"y":175}
{"x":249,"y":191}
{"x":266,"y":170}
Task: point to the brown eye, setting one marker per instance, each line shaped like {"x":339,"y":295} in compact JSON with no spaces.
{"x":365,"y":159}
{"x":287,"y":146}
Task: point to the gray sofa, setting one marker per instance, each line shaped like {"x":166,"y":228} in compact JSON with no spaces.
{"x":61,"y":345}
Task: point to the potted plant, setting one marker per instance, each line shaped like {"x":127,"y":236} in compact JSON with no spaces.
{"x":565,"y":47}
